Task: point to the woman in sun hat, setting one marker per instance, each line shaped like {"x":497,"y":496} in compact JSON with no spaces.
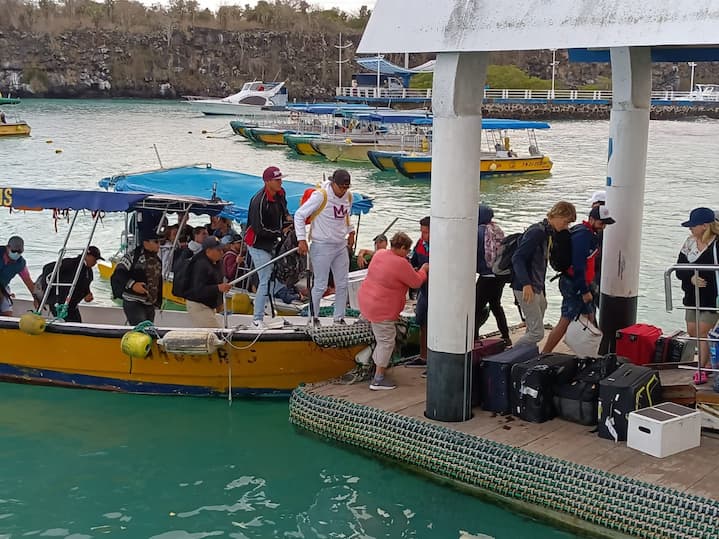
{"x":701,"y":247}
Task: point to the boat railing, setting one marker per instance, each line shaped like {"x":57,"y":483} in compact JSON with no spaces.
{"x":669,"y":304}
{"x":521,"y":94}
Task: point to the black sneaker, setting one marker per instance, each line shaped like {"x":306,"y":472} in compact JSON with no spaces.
{"x":417,"y":362}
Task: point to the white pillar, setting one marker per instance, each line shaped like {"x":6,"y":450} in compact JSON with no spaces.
{"x":457,"y":96}
{"x":626,"y":173}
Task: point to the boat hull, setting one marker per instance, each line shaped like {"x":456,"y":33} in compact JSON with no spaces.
{"x":218,"y":108}
{"x":89,"y":356}
{"x":384,"y":160}
{"x":348,"y":151}
{"x":420,"y":167}
{"x":17,"y":129}
{"x":301,"y":144}
{"x":274,"y":137}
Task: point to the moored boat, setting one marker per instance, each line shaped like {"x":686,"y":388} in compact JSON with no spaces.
{"x":301,"y":143}
{"x":254,"y":96}
{"x":14,"y":129}
{"x":169,"y":357}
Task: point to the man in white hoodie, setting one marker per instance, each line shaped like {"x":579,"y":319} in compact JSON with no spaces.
{"x":329,"y":209}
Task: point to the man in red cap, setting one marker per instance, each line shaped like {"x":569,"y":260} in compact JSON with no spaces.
{"x":267,"y":219}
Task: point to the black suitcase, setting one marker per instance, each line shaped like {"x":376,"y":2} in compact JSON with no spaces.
{"x":670,"y":348}
{"x":482,"y":349}
{"x":596,"y":369}
{"x":495,"y":376}
{"x":532,"y":385}
{"x":629,"y":388}
{"x":577,"y":401}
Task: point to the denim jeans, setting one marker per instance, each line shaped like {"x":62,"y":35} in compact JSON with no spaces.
{"x":260,"y":257}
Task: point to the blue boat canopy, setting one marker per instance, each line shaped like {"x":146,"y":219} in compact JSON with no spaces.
{"x":204,"y":181}
{"x":395,"y":117}
{"x":494,"y":123}
{"x":20,"y":198}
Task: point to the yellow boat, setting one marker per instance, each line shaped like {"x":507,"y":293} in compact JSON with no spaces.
{"x":267,"y":136}
{"x":420,"y":166}
{"x":171,"y":356}
{"x":348,"y":150}
{"x":14,"y":129}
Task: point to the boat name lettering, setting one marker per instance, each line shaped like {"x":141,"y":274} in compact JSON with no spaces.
{"x":5,"y":197}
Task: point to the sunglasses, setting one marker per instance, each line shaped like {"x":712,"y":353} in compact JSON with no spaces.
{"x":19,"y":252}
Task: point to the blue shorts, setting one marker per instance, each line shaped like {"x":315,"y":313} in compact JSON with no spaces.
{"x":420,"y":311}
{"x":572,"y":303}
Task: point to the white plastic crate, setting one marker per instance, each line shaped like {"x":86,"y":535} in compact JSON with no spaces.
{"x":664,"y":429}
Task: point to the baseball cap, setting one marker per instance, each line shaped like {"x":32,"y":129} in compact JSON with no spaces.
{"x":94,"y":251}
{"x":602,"y":213}
{"x":379,"y":237}
{"x":16,"y":243}
{"x":598,"y":196}
{"x":211,"y":242}
{"x":700,"y":216}
{"x":341,"y":177}
{"x":272,"y":173}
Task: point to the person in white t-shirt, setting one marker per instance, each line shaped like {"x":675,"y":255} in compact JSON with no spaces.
{"x":330,"y":234}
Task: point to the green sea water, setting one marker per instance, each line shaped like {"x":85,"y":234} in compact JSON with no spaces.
{"x":81,"y":464}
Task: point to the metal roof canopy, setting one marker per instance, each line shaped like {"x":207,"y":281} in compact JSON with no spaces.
{"x":483,"y":25}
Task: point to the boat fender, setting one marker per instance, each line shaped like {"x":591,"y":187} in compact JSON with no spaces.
{"x":348,"y":140}
{"x":363,"y":356}
{"x":424,"y":144}
{"x":136,"y":344}
{"x":493,"y":166}
{"x":240,"y":303}
{"x":190,"y":342}
{"x":32,"y":324}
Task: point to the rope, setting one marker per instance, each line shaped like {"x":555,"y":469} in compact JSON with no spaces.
{"x":341,"y":336}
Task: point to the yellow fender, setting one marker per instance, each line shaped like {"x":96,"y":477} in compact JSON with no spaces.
{"x":32,"y":324}
{"x":136,"y":344}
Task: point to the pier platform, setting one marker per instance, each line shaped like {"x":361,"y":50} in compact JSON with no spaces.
{"x":555,"y":470}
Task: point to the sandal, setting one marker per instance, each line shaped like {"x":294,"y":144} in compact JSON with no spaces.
{"x":700,"y":377}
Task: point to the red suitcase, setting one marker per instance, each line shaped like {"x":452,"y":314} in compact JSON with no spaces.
{"x":638,"y":343}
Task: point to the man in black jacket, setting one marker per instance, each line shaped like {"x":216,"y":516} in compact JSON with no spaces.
{"x":204,"y":295}
{"x":137,"y":279}
{"x":267,"y":221}
{"x":529,"y":269}
{"x":66,"y":274}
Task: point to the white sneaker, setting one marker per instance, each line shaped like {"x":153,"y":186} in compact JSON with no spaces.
{"x":258,"y":324}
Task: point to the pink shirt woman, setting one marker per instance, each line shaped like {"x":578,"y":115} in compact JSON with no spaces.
{"x":382,"y":297}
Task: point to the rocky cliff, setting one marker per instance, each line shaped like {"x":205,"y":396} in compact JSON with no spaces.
{"x":203,"y":61}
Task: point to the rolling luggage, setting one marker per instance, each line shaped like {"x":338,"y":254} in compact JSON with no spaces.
{"x":638,"y":343}
{"x":495,"y":377}
{"x":532,"y":385}
{"x":482,"y":348}
{"x":577,"y":401}
{"x":629,"y":388}
{"x":670,"y":348}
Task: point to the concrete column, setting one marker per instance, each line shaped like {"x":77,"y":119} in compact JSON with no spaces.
{"x":457,"y":95}
{"x":626,"y":173}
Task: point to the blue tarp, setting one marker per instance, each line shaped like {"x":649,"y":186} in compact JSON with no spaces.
{"x":493,"y":123}
{"x":395,"y":117}
{"x":43,"y":199}
{"x":235,"y":187}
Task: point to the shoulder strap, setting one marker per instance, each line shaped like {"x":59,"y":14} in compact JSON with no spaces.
{"x":317,"y":211}
{"x":716,"y":262}
{"x":349,"y":210}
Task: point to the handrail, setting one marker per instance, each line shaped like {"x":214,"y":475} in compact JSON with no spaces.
{"x":693,"y":267}
{"x":523,"y":93}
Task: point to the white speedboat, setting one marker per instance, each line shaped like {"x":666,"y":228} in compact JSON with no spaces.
{"x":253,"y":97}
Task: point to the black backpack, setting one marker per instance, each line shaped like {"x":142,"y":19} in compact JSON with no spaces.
{"x":118,"y":287}
{"x":182,"y":276}
{"x":289,"y":270}
{"x":560,"y":250}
